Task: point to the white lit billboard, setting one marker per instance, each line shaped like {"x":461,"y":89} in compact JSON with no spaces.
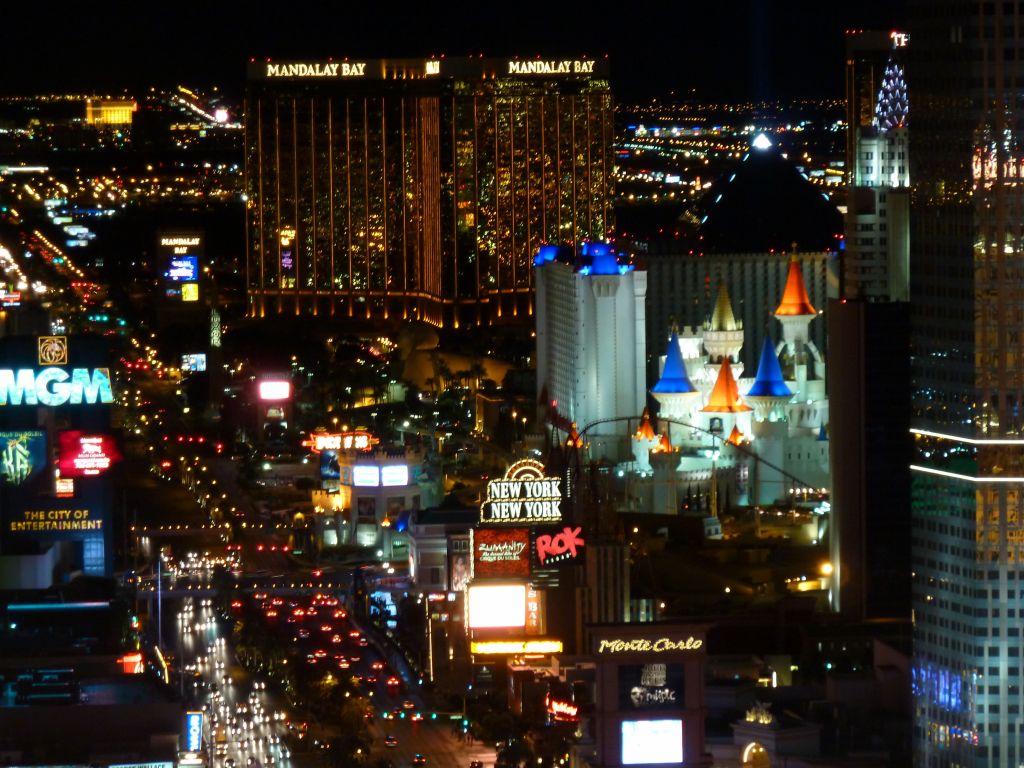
{"x":275,"y":390}
{"x":652,"y":742}
{"x":394,"y":474}
{"x":497,"y":605}
{"x":365,"y":475}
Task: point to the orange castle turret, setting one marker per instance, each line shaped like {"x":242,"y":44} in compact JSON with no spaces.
{"x":795,"y":300}
{"x":725,"y":397}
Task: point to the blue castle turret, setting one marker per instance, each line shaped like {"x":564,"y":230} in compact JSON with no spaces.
{"x":673,"y":376}
{"x":769,"y":381}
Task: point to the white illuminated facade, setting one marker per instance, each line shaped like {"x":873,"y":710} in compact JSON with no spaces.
{"x":370,"y":495}
{"x":591,"y":349}
{"x":716,"y":416}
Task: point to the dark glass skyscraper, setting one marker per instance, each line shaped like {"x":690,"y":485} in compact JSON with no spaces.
{"x":420,"y":188}
{"x":966,"y":75}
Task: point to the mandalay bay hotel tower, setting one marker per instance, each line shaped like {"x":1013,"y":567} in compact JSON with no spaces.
{"x":420,"y":188}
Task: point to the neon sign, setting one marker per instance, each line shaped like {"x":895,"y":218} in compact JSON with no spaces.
{"x":562,"y":711}
{"x":183,"y":268}
{"x":561,"y":546}
{"x":342,"y":441}
{"x":55,"y":386}
{"x":318,"y":69}
{"x":640,"y":645}
{"x":193,"y":731}
{"x":501,"y":553}
{"x":52,"y":350}
{"x":82,"y":455}
{"x":560,"y":67}
{"x":524,"y":495}
{"x":514,"y":647}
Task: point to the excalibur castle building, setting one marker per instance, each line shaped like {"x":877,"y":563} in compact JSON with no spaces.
{"x":420,"y":188}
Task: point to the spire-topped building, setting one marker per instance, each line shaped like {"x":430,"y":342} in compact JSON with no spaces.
{"x":723,"y":334}
{"x":795,"y":301}
{"x":893,"y":107}
{"x":676,"y":395}
{"x":780,"y":421}
{"x":869,"y":323}
{"x":877,"y":255}
{"x":769,"y":391}
{"x":796,"y":312}
{"x":725,"y":397}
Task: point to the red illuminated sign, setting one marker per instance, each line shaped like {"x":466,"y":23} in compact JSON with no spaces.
{"x":83,"y":455}
{"x":501,"y":553}
{"x":131,"y":664}
{"x":344,"y":441}
{"x":564,"y":545}
{"x":563,"y":711}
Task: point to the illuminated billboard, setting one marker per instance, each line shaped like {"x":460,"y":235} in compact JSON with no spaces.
{"x":524,"y":496}
{"x":22,"y":456}
{"x":273,"y":390}
{"x":502,"y":553}
{"x":194,"y":362}
{"x":497,"y":606}
{"x":328,"y":441}
{"x":514,"y":647}
{"x":647,"y":742}
{"x":54,"y":520}
{"x":559,"y":546}
{"x":562,"y":711}
{"x":365,"y":475}
{"x":183,"y":269}
{"x":536,"y":615}
{"x":181,"y":253}
{"x":55,"y":386}
{"x":83,"y":455}
{"x":193,"y":731}
{"x":394,"y":474}
{"x":650,"y":686}
{"x":190,"y":291}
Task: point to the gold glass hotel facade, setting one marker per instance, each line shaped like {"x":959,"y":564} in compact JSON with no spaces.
{"x":420,"y":188}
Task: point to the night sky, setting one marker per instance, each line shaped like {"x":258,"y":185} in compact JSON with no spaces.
{"x":725,"y":49}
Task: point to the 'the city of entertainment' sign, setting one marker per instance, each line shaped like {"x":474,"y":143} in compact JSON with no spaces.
{"x":522,"y":497}
{"x":53,"y":386}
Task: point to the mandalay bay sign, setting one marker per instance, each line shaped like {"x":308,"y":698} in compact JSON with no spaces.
{"x":522,"y":497}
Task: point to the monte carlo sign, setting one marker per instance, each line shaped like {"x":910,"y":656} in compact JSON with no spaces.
{"x":524,"y":496}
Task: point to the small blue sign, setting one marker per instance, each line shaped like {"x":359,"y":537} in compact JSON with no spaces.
{"x":193,"y":731}
{"x":183,"y":269}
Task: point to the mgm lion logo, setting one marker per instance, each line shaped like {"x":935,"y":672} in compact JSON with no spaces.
{"x":53,"y":350}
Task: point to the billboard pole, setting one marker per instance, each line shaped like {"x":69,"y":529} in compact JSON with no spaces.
{"x":159,"y":602}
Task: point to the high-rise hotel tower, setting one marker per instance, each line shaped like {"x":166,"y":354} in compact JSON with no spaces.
{"x":966,"y":75}
{"x":412,"y":188}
